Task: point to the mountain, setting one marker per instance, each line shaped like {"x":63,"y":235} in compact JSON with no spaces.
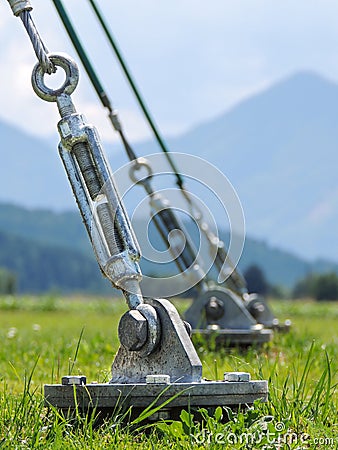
{"x":278,"y":148}
{"x":30,"y":171}
{"x":50,"y":250}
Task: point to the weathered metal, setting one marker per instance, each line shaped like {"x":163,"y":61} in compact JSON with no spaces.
{"x":173,"y":372}
{"x":229,"y":277}
{"x":20,"y":5}
{"x":133,"y":330}
{"x":22,"y":9}
{"x":75,"y":380}
{"x":174,"y":355}
{"x":102,"y":210}
{"x":109,"y":398}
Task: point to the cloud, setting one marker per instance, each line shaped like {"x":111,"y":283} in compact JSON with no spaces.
{"x":190,"y":60}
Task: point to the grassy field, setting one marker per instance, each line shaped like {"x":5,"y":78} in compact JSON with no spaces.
{"x":44,"y":338}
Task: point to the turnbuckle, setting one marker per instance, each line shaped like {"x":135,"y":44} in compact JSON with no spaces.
{"x":103,"y":213}
{"x":156,"y":347}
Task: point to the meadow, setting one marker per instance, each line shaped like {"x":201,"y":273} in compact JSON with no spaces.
{"x":43,"y":338}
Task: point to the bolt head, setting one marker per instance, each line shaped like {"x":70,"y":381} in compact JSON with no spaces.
{"x":256,"y":309}
{"x":133,"y":330}
{"x":214,"y":308}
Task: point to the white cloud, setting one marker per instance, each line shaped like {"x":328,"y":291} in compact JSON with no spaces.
{"x":191,"y":61}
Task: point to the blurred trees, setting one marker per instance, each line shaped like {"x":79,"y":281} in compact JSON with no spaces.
{"x":318,"y":286}
{"x":256,"y":281}
{"x":7,"y":281}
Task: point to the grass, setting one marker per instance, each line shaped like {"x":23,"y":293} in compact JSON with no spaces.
{"x":44,"y":338}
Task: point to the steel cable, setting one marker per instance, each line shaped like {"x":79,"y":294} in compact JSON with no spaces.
{"x":39,"y":47}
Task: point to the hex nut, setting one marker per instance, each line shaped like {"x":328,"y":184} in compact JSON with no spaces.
{"x":133,"y":330}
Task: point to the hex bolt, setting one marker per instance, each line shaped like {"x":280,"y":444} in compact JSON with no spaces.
{"x":133,"y":330}
{"x":214,"y":308}
{"x":257,"y":309}
{"x":237,"y":377}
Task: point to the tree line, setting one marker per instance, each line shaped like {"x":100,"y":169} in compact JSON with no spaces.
{"x":321,"y":287}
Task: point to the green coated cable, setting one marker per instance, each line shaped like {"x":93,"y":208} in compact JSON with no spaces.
{"x":138,"y":96}
{"x":102,"y":94}
{"x":92,"y":75}
{"x":82,"y":54}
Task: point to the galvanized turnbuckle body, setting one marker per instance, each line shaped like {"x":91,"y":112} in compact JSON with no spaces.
{"x":156,"y":350}
{"x":102,"y":211}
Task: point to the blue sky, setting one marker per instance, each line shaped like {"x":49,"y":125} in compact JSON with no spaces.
{"x":192,"y":60}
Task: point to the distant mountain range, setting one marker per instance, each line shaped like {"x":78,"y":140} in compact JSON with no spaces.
{"x":279,"y":149}
{"x":49,"y":250}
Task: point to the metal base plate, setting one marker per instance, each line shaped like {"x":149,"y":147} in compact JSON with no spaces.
{"x":110,"y":399}
{"x":236,"y":338}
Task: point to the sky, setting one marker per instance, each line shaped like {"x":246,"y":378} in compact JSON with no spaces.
{"x":192,"y":60}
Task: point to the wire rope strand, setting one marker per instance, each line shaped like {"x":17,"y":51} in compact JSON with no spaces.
{"x":39,"y":47}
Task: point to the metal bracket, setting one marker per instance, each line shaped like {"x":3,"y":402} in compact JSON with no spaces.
{"x":220,"y":313}
{"x":171,"y":373}
{"x":175,"y":354}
